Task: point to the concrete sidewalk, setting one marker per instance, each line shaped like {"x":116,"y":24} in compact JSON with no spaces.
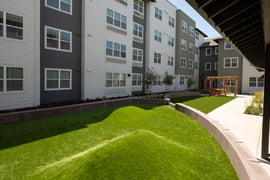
{"x":247,"y":128}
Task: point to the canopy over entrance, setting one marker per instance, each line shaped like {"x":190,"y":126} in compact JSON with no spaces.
{"x":215,"y":81}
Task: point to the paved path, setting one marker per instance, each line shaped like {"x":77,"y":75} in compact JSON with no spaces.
{"x":247,"y":128}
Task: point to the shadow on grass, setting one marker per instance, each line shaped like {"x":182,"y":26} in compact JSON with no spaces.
{"x":25,"y":132}
{"x":184,"y":98}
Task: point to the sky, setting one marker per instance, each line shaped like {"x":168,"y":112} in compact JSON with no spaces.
{"x":201,"y":23}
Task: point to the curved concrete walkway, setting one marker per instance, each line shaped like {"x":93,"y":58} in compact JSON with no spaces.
{"x":247,"y":128}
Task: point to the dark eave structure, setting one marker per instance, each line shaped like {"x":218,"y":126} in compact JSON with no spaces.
{"x":246,"y":25}
{"x":241,"y":22}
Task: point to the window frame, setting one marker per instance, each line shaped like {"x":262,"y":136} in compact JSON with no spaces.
{"x":230,"y":62}
{"x":253,"y":82}
{"x":157,"y":58}
{"x":170,"y":60}
{"x":158,"y":13}
{"x":206,"y":52}
{"x":216,"y":50}
{"x":121,"y":22}
{"x":119,"y":80}
{"x":171,"y":41}
{"x":138,"y":5}
{"x":158,"y":36}
{"x":171,"y":21}
{"x":138,"y":30}
{"x":183,"y":62}
{"x":205,"y":66}
{"x":5,"y":80}
{"x":137,"y":84}
{"x":114,"y":49}
{"x":59,"y":79}
{"x":191,"y":47}
{"x":184,"y":44}
{"x":225,"y":47}
{"x":59,"y":9}
{"x":59,"y":39}
{"x":216,"y":66}
{"x":5,"y":26}
{"x":190,"y":64}
{"x":191,"y":31}
{"x":137,"y":55}
{"x":184,"y":26}
{"x":182,"y":80}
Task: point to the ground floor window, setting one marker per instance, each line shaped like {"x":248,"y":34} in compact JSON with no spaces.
{"x":256,"y":82}
{"x":182,"y":80}
{"x":115,"y":79}
{"x":136,"y":79}
{"x":158,"y":80}
{"x":58,"y":79}
{"x":11,"y":79}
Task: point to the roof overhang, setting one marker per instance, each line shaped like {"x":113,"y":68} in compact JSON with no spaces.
{"x":244,"y":23}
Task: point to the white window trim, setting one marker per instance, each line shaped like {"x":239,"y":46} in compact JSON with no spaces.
{"x":137,"y":80}
{"x":59,"y":80}
{"x":192,"y":63}
{"x":159,"y":37}
{"x":183,"y":58}
{"x":137,"y":49}
{"x":138,"y":31}
{"x":158,"y":62}
{"x":115,"y":87}
{"x":159,"y":14}
{"x":5,"y":25}
{"x":205,"y":65}
{"x":141,"y":13}
{"x":184,"y":26}
{"x":252,"y":81}
{"x":113,"y":50}
{"x":114,"y":26}
{"x":171,"y":43}
{"x":191,"y":50}
{"x":225,"y":46}
{"x":230,"y":84}
{"x":59,"y":40}
{"x":5,"y":80}
{"x":182,"y":79}
{"x":216,"y":66}
{"x":216,"y":50}
{"x":184,"y":44}
{"x":191,"y":31}
{"x":171,"y":23}
{"x":230,"y":62}
{"x":71,"y":7}
{"x":206,"y":54}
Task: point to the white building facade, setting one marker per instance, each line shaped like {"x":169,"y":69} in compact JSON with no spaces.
{"x":19,"y":54}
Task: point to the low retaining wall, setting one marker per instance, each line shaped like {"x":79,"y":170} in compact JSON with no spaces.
{"x":182,"y":93}
{"x":63,"y":110}
{"x":245,"y":164}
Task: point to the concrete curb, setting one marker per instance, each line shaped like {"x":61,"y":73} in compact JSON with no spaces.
{"x":243,"y":161}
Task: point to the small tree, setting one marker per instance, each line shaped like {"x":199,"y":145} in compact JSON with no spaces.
{"x":150,"y":78}
{"x":168,"y":80}
{"x":190,"y":82}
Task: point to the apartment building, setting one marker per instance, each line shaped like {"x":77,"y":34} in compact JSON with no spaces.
{"x":60,"y":50}
{"x":185,"y":48}
{"x":19,"y":54}
{"x":208,"y":65}
{"x":199,"y":40}
{"x":160,"y":41}
{"x":219,"y":58}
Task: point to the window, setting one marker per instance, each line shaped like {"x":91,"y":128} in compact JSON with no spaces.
{"x":191,"y":31}
{"x":137,"y":55}
{"x":216,"y":66}
{"x":138,"y":6}
{"x":196,"y":65}
{"x":11,"y":26}
{"x":190,"y":48}
{"x":230,"y":83}
{"x":115,"y":49}
{"x":183,"y":44}
{"x":231,"y":62}
{"x":207,"y":66}
{"x":136,"y":79}
{"x":57,"y":39}
{"x":115,"y":80}
{"x":208,"y":51}
{"x":183,"y":62}
{"x":158,"y":36}
{"x":58,"y":79}
{"x":197,"y":35}
{"x":182,"y":80}
{"x":60,"y":5}
{"x":11,"y":79}
{"x":216,"y":50}
{"x":158,"y":80}
{"x":260,"y":82}
{"x":227,"y":45}
{"x":157,"y":58}
{"x":116,"y":19}
{"x":184,"y":26}
{"x":256,"y":82}
{"x":171,"y":21}
{"x":252,"y":81}
{"x":190,"y":64}
{"x":170,"y":60}
{"x":196,"y":50}
{"x":170,"y":41}
{"x":138,"y":30}
{"x":158,"y":13}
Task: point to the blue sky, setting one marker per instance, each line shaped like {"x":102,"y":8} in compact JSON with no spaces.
{"x":200,"y":22}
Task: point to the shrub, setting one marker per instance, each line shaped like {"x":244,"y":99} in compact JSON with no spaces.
{"x":256,"y":104}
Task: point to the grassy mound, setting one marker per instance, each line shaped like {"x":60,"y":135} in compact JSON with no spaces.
{"x":126,"y":143}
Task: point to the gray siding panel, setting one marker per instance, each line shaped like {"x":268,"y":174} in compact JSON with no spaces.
{"x":58,"y":59}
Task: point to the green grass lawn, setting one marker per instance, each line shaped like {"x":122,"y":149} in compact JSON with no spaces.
{"x":132,"y":142}
{"x":205,"y":104}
